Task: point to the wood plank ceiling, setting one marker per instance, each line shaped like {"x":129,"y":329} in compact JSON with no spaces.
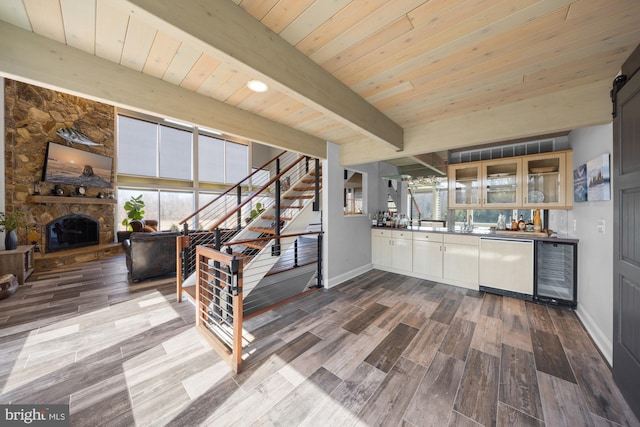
{"x":420,"y":63}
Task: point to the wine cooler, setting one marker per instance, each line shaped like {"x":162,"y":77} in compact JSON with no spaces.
{"x":555,"y":273}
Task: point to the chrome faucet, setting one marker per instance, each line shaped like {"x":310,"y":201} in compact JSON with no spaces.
{"x":468,"y":225}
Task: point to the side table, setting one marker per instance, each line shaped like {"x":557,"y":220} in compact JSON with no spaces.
{"x":18,"y":261}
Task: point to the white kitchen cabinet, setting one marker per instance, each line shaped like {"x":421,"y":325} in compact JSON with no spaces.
{"x":401,"y":258}
{"x":501,"y":183}
{"x":465,"y":181}
{"x":548,"y":180}
{"x":391,"y":249}
{"x":507,"y":265}
{"x":460,"y":260}
{"x":381,"y":248}
{"x":536,"y":181}
{"x":427,"y":254}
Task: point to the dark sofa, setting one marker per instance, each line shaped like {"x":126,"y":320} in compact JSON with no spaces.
{"x":150,"y":254}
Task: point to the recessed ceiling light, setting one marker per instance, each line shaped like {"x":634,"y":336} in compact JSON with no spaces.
{"x":257,"y":86}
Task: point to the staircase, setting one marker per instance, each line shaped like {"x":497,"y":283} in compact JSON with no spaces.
{"x":287,"y":188}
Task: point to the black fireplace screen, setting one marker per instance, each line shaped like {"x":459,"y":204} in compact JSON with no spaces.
{"x":72,"y":231}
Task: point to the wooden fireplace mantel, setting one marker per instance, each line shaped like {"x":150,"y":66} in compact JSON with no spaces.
{"x":80,"y":200}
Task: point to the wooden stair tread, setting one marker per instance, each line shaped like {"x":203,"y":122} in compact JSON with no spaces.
{"x":310,"y":188}
{"x":255,"y":245}
{"x":263,"y":230}
{"x":301,"y":196}
{"x":291,"y":207}
{"x":282,"y":218}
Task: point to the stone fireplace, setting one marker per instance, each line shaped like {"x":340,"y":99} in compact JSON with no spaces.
{"x":32,"y":116}
{"x":70,"y":232}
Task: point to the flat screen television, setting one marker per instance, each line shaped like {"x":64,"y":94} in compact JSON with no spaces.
{"x":68,"y":165}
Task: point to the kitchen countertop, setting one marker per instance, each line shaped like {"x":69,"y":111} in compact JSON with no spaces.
{"x":480,"y":232}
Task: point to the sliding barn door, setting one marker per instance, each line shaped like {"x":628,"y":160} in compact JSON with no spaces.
{"x":626,"y":268}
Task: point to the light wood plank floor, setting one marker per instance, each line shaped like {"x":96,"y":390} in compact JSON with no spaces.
{"x":381,"y":349}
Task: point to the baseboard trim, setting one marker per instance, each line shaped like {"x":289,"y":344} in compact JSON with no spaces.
{"x":599,"y":338}
{"x":341,"y":278}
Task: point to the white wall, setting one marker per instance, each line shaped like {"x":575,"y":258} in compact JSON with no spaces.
{"x":347,"y":239}
{"x":595,"y":250}
{"x":261,"y":154}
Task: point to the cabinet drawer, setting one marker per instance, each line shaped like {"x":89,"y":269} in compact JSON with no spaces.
{"x":428,"y":237}
{"x":381,"y":232}
{"x":462,"y":240}
{"x":397,"y":234}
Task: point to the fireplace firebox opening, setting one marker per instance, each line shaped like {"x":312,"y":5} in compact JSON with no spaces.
{"x":72,"y":231}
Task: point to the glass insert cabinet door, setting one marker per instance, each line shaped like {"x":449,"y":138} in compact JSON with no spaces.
{"x":544,"y":177}
{"x":464,"y":188}
{"x":501,"y":183}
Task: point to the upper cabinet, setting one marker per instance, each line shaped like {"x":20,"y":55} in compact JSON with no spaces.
{"x":545,"y":178}
{"x":501,"y":179}
{"x":464,"y":185}
{"x":539,"y":181}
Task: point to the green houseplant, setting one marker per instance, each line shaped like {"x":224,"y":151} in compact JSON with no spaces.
{"x":10,"y":222}
{"x":254,"y":213}
{"x":135,"y":210}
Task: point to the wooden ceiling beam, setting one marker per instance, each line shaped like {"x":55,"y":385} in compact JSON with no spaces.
{"x":432,"y":161}
{"x":562,"y":110}
{"x":34,"y":59}
{"x":224,"y":30}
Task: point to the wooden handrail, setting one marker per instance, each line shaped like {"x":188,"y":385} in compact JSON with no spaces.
{"x":231,"y":188}
{"x":282,"y":236}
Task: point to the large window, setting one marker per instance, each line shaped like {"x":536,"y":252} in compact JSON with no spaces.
{"x":428,"y":204}
{"x":485,"y":218}
{"x":221,"y":161}
{"x":176,"y":157}
{"x":149,"y":197}
{"x":174,"y":207}
{"x":157,"y":159}
{"x":137,"y":147}
{"x":427,"y":199}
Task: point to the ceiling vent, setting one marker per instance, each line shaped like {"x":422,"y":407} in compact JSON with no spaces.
{"x":510,"y":150}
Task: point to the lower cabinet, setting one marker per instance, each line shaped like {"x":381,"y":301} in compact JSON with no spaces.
{"x":447,"y":258}
{"x":391,"y":249}
{"x":500,"y":265}
{"x":427,"y":254}
{"x":460,"y":260}
{"x":381,"y":248}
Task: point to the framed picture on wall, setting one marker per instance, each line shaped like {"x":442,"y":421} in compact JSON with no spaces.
{"x":580,"y":183}
{"x":599,"y":179}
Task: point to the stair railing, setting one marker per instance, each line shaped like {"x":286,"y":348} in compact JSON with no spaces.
{"x":224,"y":222}
{"x":219,"y":303}
{"x":234,"y":195}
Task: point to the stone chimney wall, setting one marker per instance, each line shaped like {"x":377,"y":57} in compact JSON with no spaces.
{"x":32,"y":116}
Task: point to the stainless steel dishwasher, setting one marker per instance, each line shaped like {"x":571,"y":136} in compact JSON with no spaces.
{"x":556,"y":273}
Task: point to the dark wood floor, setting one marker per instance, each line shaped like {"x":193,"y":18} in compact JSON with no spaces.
{"x":381,"y":349}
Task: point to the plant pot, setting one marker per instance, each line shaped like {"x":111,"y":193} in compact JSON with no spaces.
{"x":11,"y":240}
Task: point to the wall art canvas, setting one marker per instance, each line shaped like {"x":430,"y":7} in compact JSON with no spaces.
{"x":580,"y":183}
{"x":598,"y":179}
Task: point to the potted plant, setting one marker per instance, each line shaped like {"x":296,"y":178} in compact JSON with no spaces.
{"x":255,"y":212}
{"x":135,"y":210}
{"x":10,"y":221}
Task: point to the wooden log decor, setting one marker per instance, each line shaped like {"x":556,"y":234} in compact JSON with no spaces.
{"x":8,"y":285}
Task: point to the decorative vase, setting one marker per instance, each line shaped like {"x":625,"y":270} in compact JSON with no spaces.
{"x":11,"y":240}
